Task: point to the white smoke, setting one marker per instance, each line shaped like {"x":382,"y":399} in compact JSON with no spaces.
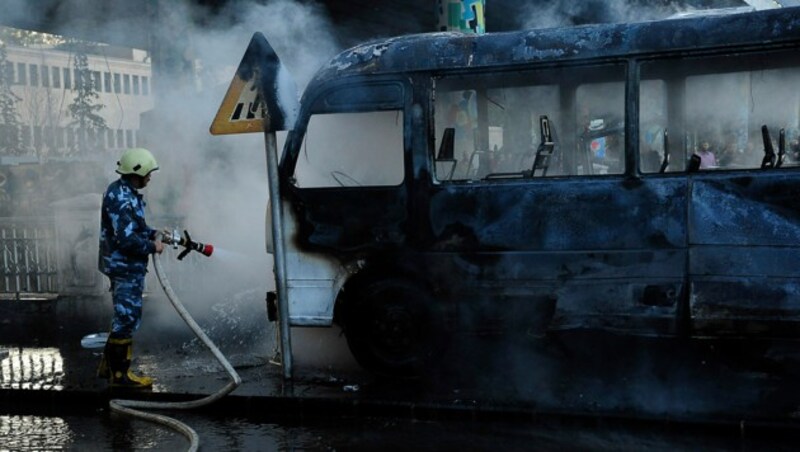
{"x":218,"y":184}
{"x":221,"y":181}
{"x":564,"y":13}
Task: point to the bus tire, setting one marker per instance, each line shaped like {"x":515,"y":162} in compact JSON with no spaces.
{"x":394,"y":327}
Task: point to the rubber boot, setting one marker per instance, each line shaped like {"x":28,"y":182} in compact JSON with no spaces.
{"x":119,"y":362}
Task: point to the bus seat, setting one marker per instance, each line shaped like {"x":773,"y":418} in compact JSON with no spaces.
{"x":781,"y":148}
{"x":665,"y":162}
{"x":694,"y":164}
{"x":542,"y":159}
{"x":769,"y":151}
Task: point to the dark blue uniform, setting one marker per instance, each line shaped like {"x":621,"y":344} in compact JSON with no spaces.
{"x":125,"y":246}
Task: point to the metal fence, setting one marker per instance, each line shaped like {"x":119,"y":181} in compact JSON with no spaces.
{"x":28,"y":257}
{"x":47,"y":257}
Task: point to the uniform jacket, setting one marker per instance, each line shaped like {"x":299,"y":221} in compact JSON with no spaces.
{"x":125,"y":238}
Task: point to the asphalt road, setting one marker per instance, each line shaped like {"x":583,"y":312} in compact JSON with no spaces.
{"x":583,"y":390}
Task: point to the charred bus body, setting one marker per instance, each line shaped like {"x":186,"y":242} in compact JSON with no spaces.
{"x":543,"y":180}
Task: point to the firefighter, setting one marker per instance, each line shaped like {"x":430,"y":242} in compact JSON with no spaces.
{"x":126,"y":242}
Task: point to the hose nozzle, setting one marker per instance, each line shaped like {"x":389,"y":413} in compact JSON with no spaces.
{"x":186,"y":241}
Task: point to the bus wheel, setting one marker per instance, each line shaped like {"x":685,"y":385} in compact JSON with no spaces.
{"x":393,"y":327}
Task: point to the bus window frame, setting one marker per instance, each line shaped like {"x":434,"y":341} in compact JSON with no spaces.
{"x":723,"y":61}
{"x":625,"y":65}
{"x":294,"y":142}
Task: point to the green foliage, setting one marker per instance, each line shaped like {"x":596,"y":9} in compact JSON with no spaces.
{"x":84,"y":110}
{"x":9,"y":121}
{"x":27,"y":38}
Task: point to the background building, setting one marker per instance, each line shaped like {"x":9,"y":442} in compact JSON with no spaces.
{"x":46,"y":79}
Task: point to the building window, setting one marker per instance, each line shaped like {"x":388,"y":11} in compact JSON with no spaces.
{"x":45,"y":76}
{"x":34,"y":75}
{"x":129,"y":138}
{"x":59,"y":136}
{"x":49,"y":138}
{"x":37,"y":137}
{"x":117,"y":83}
{"x":56,"y":78}
{"x":26,"y":136}
{"x":110,"y":138}
{"x":70,"y":138}
{"x":6,"y":132}
{"x":107,"y":82}
{"x":9,"y":72}
{"x":120,"y":139}
{"x":22,"y":74}
{"x":136,"y":85}
{"x":67,"y":78}
{"x":145,"y":86}
{"x":77,"y":77}
{"x":96,"y":80}
{"x":127,"y":83}
{"x":80,"y":138}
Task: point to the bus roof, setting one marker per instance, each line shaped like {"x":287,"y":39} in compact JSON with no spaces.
{"x":450,"y":50}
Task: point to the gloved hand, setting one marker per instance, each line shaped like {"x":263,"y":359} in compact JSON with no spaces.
{"x":165,"y":235}
{"x":159,"y":245}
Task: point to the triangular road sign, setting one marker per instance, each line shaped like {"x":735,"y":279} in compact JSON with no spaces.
{"x":262,"y":95}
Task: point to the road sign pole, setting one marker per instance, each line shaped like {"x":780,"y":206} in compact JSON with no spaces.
{"x":280,"y":253}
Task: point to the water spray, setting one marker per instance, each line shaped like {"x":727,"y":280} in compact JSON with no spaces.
{"x":174,"y":238}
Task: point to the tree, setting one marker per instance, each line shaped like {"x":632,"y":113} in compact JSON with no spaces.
{"x":27,"y":38}
{"x":9,"y":120}
{"x":83,"y":109}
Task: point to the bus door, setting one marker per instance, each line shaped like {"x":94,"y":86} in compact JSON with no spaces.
{"x":350,"y":167}
{"x":346,"y":188}
{"x":557,"y":243}
{"x":744,"y":212}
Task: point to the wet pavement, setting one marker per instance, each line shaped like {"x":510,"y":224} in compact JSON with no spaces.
{"x":576,"y":390}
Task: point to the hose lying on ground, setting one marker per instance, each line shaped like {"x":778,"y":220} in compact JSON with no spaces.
{"x":128,"y":406}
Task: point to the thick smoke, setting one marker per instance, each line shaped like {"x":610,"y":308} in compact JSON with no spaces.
{"x":216,"y":187}
{"x":221,"y":181}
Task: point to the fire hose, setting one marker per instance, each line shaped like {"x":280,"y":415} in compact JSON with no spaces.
{"x":133,"y":407}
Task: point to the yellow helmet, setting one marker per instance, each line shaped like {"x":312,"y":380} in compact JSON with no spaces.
{"x":137,"y":161}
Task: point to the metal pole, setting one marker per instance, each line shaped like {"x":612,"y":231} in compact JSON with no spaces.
{"x":280,"y":256}
{"x":6,"y":267}
{"x":37,"y":259}
{"x":15,"y":247}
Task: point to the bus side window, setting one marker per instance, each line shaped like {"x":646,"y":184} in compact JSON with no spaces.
{"x":496,"y":123}
{"x":715,"y":107}
{"x":351,"y":150}
{"x":601,"y":110}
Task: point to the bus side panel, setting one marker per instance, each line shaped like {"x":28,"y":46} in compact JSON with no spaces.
{"x":744,"y":263}
{"x":594,"y":252}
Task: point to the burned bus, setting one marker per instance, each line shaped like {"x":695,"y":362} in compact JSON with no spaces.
{"x":640,"y":178}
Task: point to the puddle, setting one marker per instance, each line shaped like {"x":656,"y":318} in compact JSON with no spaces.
{"x":32,"y":368}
